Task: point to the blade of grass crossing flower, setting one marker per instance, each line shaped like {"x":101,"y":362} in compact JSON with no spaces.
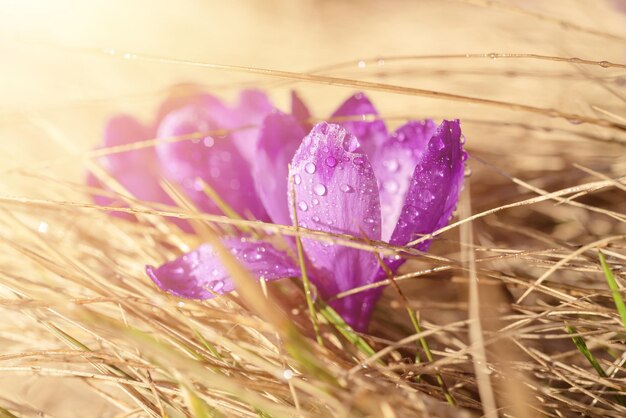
{"x":344,"y":329}
{"x":305,"y":278}
{"x":615,"y":290}
{"x":295,"y":344}
{"x":416,"y":326}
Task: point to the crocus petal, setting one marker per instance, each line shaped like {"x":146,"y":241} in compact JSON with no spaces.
{"x":215,"y":160}
{"x":190,"y":94}
{"x":394,"y":165}
{"x":435,"y":186}
{"x":336,"y":191}
{"x":370,"y":133}
{"x":279,"y":138}
{"x":134,"y":170}
{"x":300,"y":111}
{"x":251,"y":109}
{"x":200,"y":274}
{"x":125,"y":130}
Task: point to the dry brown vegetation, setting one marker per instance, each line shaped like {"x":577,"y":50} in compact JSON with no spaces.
{"x":512,"y":300}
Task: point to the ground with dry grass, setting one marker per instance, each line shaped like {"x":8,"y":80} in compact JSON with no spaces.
{"x":516,"y":311}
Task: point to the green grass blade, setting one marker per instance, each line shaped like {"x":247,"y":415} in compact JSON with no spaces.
{"x":344,"y":329}
{"x":581,"y":345}
{"x":615,"y":290}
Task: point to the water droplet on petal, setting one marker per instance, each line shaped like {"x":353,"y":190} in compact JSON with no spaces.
{"x":319,"y":189}
{"x":303,"y":206}
{"x":315,"y":201}
{"x":350,"y":143}
{"x":331,"y":161}
{"x":297,"y":179}
{"x":217,"y":285}
{"x":253,"y":254}
{"x":426,"y":195}
{"x":310,"y":168}
{"x":358,"y":160}
{"x":346,"y":188}
{"x":208,"y":141}
{"x":316,"y":218}
{"x":361,"y":64}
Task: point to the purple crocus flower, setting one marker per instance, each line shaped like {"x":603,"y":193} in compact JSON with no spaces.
{"x":215,"y":160}
{"x":352,"y":178}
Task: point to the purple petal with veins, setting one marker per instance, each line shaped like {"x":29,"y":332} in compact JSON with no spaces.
{"x":135,"y":170}
{"x":435,"y":187}
{"x":336,"y":192}
{"x":279,"y":137}
{"x":214,"y":160}
{"x":394,"y":165}
{"x":370,"y":133}
{"x":200,"y":274}
{"x":189,"y":94}
{"x":247,"y":116}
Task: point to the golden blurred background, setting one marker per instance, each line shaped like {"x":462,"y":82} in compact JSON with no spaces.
{"x":67,"y":66}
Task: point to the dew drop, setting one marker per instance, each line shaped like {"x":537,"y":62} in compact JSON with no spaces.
{"x":604,"y":64}
{"x":297,"y":179}
{"x":331,"y":161}
{"x":43,"y":227}
{"x":315,"y":201}
{"x":253,"y":254}
{"x":319,"y":189}
{"x":235,"y":184}
{"x":215,"y":272}
{"x":310,"y":168}
{"x":350,"y":143}
{"x":346,"y":188}
{"x":217,"y":285}
{"x":361,"y":64}
{"x":226,"y":156}
{"x":181,"y":304}
{"x":426,"y":195}
{"x":287,"y":374}
{"x":316,"y":218}
{"x":303,"y":206}
{"x":358,"y":160}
